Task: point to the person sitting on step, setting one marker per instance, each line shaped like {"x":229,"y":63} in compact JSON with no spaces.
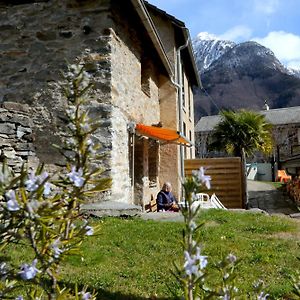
{"x":165,"y":199}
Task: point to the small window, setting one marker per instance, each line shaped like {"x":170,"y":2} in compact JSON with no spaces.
{"x":145,"y":76}
{"x":190,"y":101}
{"x":191,"y":150}
{"x":184,"y":129}
{"x":182,"y":86}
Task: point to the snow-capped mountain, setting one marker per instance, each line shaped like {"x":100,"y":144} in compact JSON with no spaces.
{"x":208,"y":49}
{"x":241,"y":76}
{"x":294,"y":72}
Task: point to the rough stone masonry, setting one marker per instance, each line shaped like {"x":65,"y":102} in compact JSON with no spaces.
{"x":38,"y":38}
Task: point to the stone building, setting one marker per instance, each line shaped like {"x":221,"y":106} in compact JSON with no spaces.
{"x":285,"y":131}
{"x":142,"y":68}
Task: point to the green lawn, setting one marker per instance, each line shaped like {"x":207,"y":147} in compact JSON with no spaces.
{"x":132,"y":258}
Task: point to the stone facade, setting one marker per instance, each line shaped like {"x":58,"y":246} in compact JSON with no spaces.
{"x":130,"y":84}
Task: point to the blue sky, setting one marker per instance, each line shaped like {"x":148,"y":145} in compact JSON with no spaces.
{"x":273,"y":23}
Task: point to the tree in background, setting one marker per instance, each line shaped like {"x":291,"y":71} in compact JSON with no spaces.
{"x":242,"y":132}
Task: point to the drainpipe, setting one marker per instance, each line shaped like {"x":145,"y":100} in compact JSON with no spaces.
{"x":133,"y":157}
{"x":131,"y":130}
{"x":180,"y":100}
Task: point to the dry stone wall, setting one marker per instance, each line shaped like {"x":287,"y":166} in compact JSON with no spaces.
{"x":38,"y":39}
{"x":16,"y":136}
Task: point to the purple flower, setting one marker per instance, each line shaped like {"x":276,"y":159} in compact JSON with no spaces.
{"x":85,"y":127}
{"x":12,"y":203}
{"x":262,"y":296}
{"x":194,"y":263}
{"x":19,"y":298}
{"x":86,"y":296}
{"x":91,"y":145}
{"x":29,"y":271}
{"x":32,"y":207}
{"x":3,"y":268}
{"x":32,"y":182}
{"x":89,"y":230}
{"x":192,"y":225}
{"x":231,"y":258}
{"x":201,"y":258}
{"x":204,"y":179}
{"x":55,"y":247}
{"x":76,"y":177}
{"x":47,"y":188}
{"x":190,"y":265}
{"x":226,"y":296}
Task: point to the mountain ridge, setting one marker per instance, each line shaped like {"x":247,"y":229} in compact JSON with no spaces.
{"x":242,"y":75}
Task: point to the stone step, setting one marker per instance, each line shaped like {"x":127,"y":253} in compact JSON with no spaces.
{"x":111,"y":209}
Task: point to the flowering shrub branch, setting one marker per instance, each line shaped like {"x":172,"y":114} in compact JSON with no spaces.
{"x":41,"y":211}
{"x":194,"y":276}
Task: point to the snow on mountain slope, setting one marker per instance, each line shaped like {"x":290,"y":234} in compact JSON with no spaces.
{"x":208,"y":48}
{"x":241,"y":75}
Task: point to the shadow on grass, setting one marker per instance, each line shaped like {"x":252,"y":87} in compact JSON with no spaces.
{"x":106,"y":295}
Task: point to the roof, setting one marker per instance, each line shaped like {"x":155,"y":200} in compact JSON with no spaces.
{"x":278,"y":116}
{"x":207,"y":123}
{"x":186,"y":37}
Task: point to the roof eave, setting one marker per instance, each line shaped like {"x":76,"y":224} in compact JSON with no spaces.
{"x":186,"y":35}
{"x":193,"y":60}
{"x":153,"y":34}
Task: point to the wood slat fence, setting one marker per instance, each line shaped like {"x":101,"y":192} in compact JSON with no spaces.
{"x":227,"y":178}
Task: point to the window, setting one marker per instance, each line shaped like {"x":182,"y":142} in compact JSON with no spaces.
{"x":145,"y":76}
{"x":191,"y":150}
{"x":189,"y":100}
{"x":184,"y":129}
{"x":182,"y":86}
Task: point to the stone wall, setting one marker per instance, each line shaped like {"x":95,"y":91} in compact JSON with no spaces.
{"x":132,"y":104}
{"x":38,"y":39}
{"x":16,"y":136}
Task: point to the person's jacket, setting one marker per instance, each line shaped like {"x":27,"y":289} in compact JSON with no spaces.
{"x":164,"y":200}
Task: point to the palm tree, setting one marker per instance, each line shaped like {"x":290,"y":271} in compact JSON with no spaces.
{"x":242,"y":132}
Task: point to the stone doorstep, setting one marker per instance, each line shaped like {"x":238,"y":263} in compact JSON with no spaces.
{"x":111,"y":209}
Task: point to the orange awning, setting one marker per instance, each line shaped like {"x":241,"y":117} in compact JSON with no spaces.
{"x":162,"y":134}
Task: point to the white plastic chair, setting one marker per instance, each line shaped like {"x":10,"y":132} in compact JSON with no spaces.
{"x":202,"y":200}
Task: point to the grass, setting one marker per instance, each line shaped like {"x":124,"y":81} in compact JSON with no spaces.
{"x":132,"y":258}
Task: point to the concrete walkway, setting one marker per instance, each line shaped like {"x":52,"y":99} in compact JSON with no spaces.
{"x":266,"y":197}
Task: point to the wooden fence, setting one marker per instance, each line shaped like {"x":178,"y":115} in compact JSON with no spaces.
{"x":227,"y":178}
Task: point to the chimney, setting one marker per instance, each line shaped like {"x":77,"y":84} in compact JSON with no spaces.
{"x":266,"y":106}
